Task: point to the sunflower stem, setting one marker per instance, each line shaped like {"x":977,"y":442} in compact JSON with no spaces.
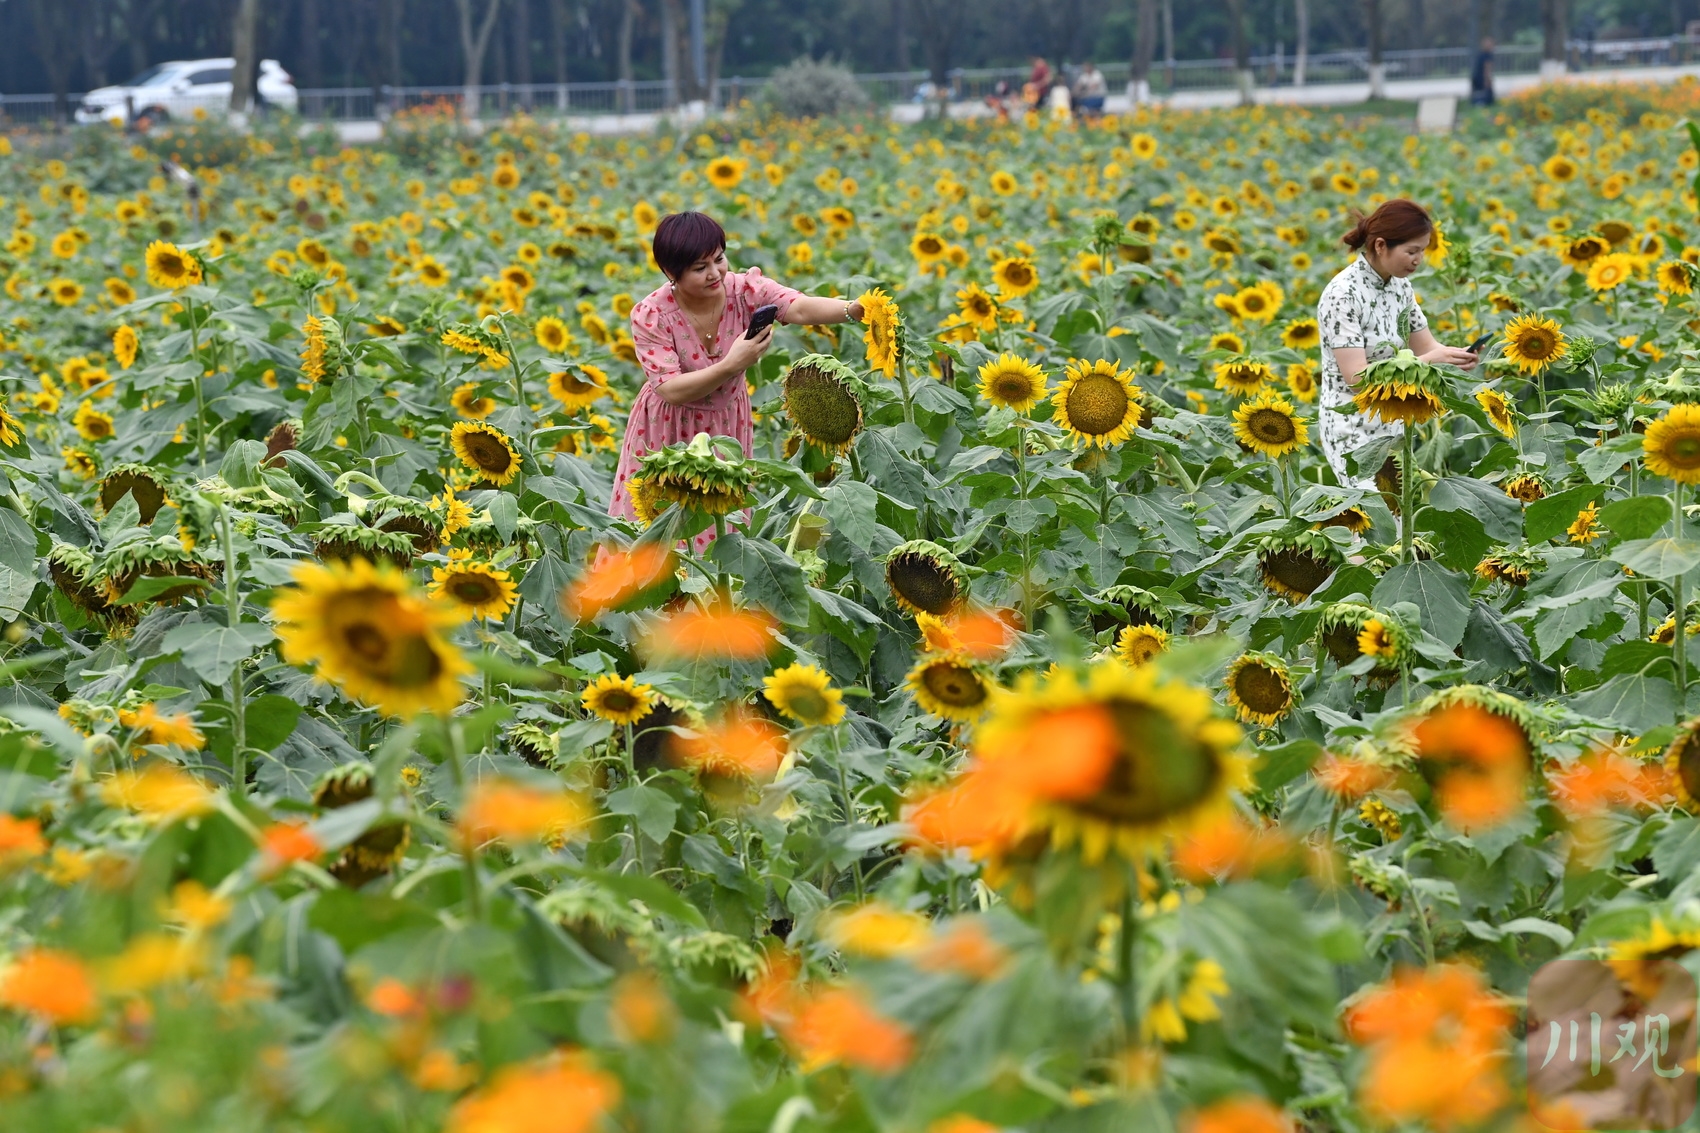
{"x":722,"y":584}
{"x":849,"y":809}
{"x":1679,"y":647}
{"x":903,"y":384}
{"x":629,"y":759}
{"x":1026,"y":536}
{"x":468,"y":852}
{"x":200,"y":393}
{"x":238,"y":705}
{"x":1407,"y":468}
{"x":1126,"y":971}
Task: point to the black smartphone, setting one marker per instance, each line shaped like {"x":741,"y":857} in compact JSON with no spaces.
{"x":761,"y":320}
{"x":1476,"y":346}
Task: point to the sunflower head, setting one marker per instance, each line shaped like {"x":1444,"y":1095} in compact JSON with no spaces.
{"x":124,"y":565}
{"x":578,"y":387}
{"x":1015,"y":277}
{"x":1532,"y":343}
{"x":1260,"y":689}
{"x":1526,"y":487}
{"x":1243,"y":377}
{"x":1611,"y":271}
{"x":171,"y":267}
{"x":476,"y":589}
{"x":1671,"y":445}
{"x":1294,"y":566}
{"x":1354,"y":519}
{"x":1139,"y":644}
{"x":1403,"y":389}
{"x":1269,"y":424}
{"x":1098,"y":403}
{"x":416,"y":519}
{"x":951,"y":686}
{"x":1514,"y":568}
{"x":141,"y":483}
{"x":351,"y":542}
{"x":1501,"y":414}
{"x":1341,"y":624}
{"x":77,"y":575}
{"x":1682,"y":765}
{"x":804,"y":693}
{"x":1301,"y":334}
{"x":823,"y":399}
{"x":617,"y":699}
{"x":883,"y":337}
{"x":486,"y":451}
{"x":1125,"y":605}
{"x":696,"y":477}
{"x":925,"y":578}
{"x":1012,"y":382}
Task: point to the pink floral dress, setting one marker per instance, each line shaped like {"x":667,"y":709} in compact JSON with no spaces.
{"x":667,"y":346}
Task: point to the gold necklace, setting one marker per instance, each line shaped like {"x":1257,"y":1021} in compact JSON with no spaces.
{"x":709,"y":338}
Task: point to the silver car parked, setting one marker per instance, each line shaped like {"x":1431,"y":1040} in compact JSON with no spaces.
{"x":178,"y":89}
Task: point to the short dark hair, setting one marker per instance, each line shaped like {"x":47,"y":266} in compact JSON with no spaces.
{"x":683,"y":238}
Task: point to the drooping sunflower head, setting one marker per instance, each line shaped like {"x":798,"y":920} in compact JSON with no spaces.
{"x":1269,"y":424}
{"x":1671,"y":446}
{"x":1137,"y":645}
{"x":1294,"y":566}
{"x":823,"y":399}
{"x":1243,"y":377}
{"x":1115,"y":760}
{"x":1097,"y":403}
{"x":1532,"y":343}
{"x":365,"y":629}
{"x":78,"y":578}
{"x":1682,"y":765}
{"x":1126,"y":605}
{"x":1259,"y":688}
{"x":1526,"y":486}
{"x":882,"y":339}
{"x":696,"y":476}
{"x":1402,"y":389}
{"x":141,"y":483}
{"x":473,"y":588}
{"x":1514,"y":568}
{"x":950,"y":686}
{"x":1354,"y":519}
{"x":1012,"y":382}
{"x":353,"y":542}
{"x":925,"y":578}
{"x":617,"y":699}
{"x":486,"y":450}
{"x":164,"y":557}
{"x":804,"y":693}
{"x":1676,"y":277}
{"x":578,"y":387}
{"x":1615,"y":232}
{"x":1500,"y":412}
{"x":1341,"y":624}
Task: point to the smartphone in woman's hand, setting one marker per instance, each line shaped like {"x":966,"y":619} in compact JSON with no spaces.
{"x":761,"y":319}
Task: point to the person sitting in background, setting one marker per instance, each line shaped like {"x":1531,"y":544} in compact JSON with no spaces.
{"x":1038,"y":83}
{"x":1090,"y":90}
{"x":1481,"y":75}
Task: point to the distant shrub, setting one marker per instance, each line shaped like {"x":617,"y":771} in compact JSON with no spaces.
{"x":813,"y":88}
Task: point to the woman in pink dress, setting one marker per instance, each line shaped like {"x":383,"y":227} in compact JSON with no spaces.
{"x":689,"y":335}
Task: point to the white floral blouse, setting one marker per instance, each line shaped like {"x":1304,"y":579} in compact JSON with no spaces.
{"x":1360,"y":310}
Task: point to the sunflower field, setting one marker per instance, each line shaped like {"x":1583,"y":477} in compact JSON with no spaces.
{"x":1033,"y":733}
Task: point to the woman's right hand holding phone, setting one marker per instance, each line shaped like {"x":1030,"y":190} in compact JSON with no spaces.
{"x":746,"y":352}
{"x":1450,"y":356}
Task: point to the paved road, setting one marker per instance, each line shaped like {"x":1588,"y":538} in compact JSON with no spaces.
{"x":1326,"y":94}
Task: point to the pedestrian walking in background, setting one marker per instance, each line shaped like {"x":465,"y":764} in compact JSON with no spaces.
{"x":1481,"y":75}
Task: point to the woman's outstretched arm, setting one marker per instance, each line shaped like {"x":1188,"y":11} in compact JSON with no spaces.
{"x":817,"y":310}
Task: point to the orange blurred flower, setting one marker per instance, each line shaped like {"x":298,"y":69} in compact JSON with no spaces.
{"x":714,"y":634}
{"x":152,"y":959}
{"x":962,"y":1123}
{"x":439,"y":1071}
{"x":838,"y":1025}
{"x":1349,"y":778}
{"x":1478,"y":761}
{"x":1604,"y":779}
{"x":196,"y":908}
{"x":877,"y":930}
{"x":1239,"y":1115}
{"x":984,"y":635}
{"x":516,"y":812}
{"x":965,"y":948}
{"x":739,"y":745}
{"x":772,"y":997}
{"x":562,"y":1092}
{"x":1078,"y":746}
{"x":639,"y":1009}
{"x":977,"y":811}
{"x":615,"y":577}
{"x":1436,"y":1040}
{"x":154,"y":728}
{"x":283,"y":843}
{"x":55,"y":987}
{"x":20,"y":839}
{"x":393,"y":998}
{"x":1228,"y":848}
{"x":158,"y":790}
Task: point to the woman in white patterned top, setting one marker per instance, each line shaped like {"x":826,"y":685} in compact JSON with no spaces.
{"x":1367,"y":313}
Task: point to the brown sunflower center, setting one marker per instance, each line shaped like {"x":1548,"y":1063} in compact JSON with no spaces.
{"x":169,"y":264}
{"x":1097,"y":405}
{"x":1683,"y":450}
{"x":1536,"y":344}
{"x":1271,"y":426}
{"x":1341,"y":641}
{"x":489,"y":453}
{"x":954,"y":685}
{"x":366,"y":641}
{"x":923,"y":582}
{"x":1012,"y":386}
{"x":822,"y":407}
{"x":1141,"y":647}
{"x":1297,"y":569}
{"x":1261,"y":689}
{"x":475,"y":589}
{"x":1018,"y":275}
{"x":618,"y":700}
{"x":1160,"y":770}
{"x":1241,"y":377}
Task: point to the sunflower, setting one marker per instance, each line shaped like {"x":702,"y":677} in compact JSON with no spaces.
{"x":1401,"y":389}
{"x":1676,"y":277}
{"x":551,"y":334}
{"x":1259,"y":688}
{"x":928,"y":248}
{"x":1097,"y":403}
{"x":1004,"y":183}
{"x":925,"y":578}
{"x":467,"y":403}
{"x":1581,"y":252}
{"x":476,"y":589}
{"x":1010,"y":382}
{"x":125,"y":344}
{"x":1138,"y":644}
{"x":724,"y":173}
{"x":1500,"y":413}
{"x":1533,"y":343}
{"x":1526,"y":487}
{"x":1353,"y":519}
{"x":1559,"y":168}
{"x":1301,"y":381}
{"x":1255,"y":304}
{"x":1637,"y":960}
{"x":1015,"y":277}
{"x":949,"y":686}
{"x":695,"y":477}
{"x":91,"y":424}
{"x":486,"y":450}
{"x":1610,"y":271}
{"x":313,"y":349}
{"x":475,"y":342}
{"x":977,"y":307}
{"x":65,"y":292}
{"x":1270,"y":425}
{"x":11,"y":429}
{"x":1301,"y":334}
{"x":365,"y":629}
{"x":884,"y":327}
{"x":1586,"y":528}
{"x":617,"y":699}
{"x":1615,"y":232}
{"x":1243,"y":377}
{"x":138,"y":481}
{"x":344,"y":542}
{"x":805,"y":694}
{"x":578,"y":387}
{"x":1227,"y":340}
{"x":823,"y":399}
{"x":1118,"y":762}
{"x":1671,"y":446}
{"x":1294,"y":566}
{"x":430,"y":272}
{"x":171,"y":267}
{"x":1514,"y":568}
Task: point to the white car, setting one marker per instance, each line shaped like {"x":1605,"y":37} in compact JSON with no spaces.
{"x":176,"y":90}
